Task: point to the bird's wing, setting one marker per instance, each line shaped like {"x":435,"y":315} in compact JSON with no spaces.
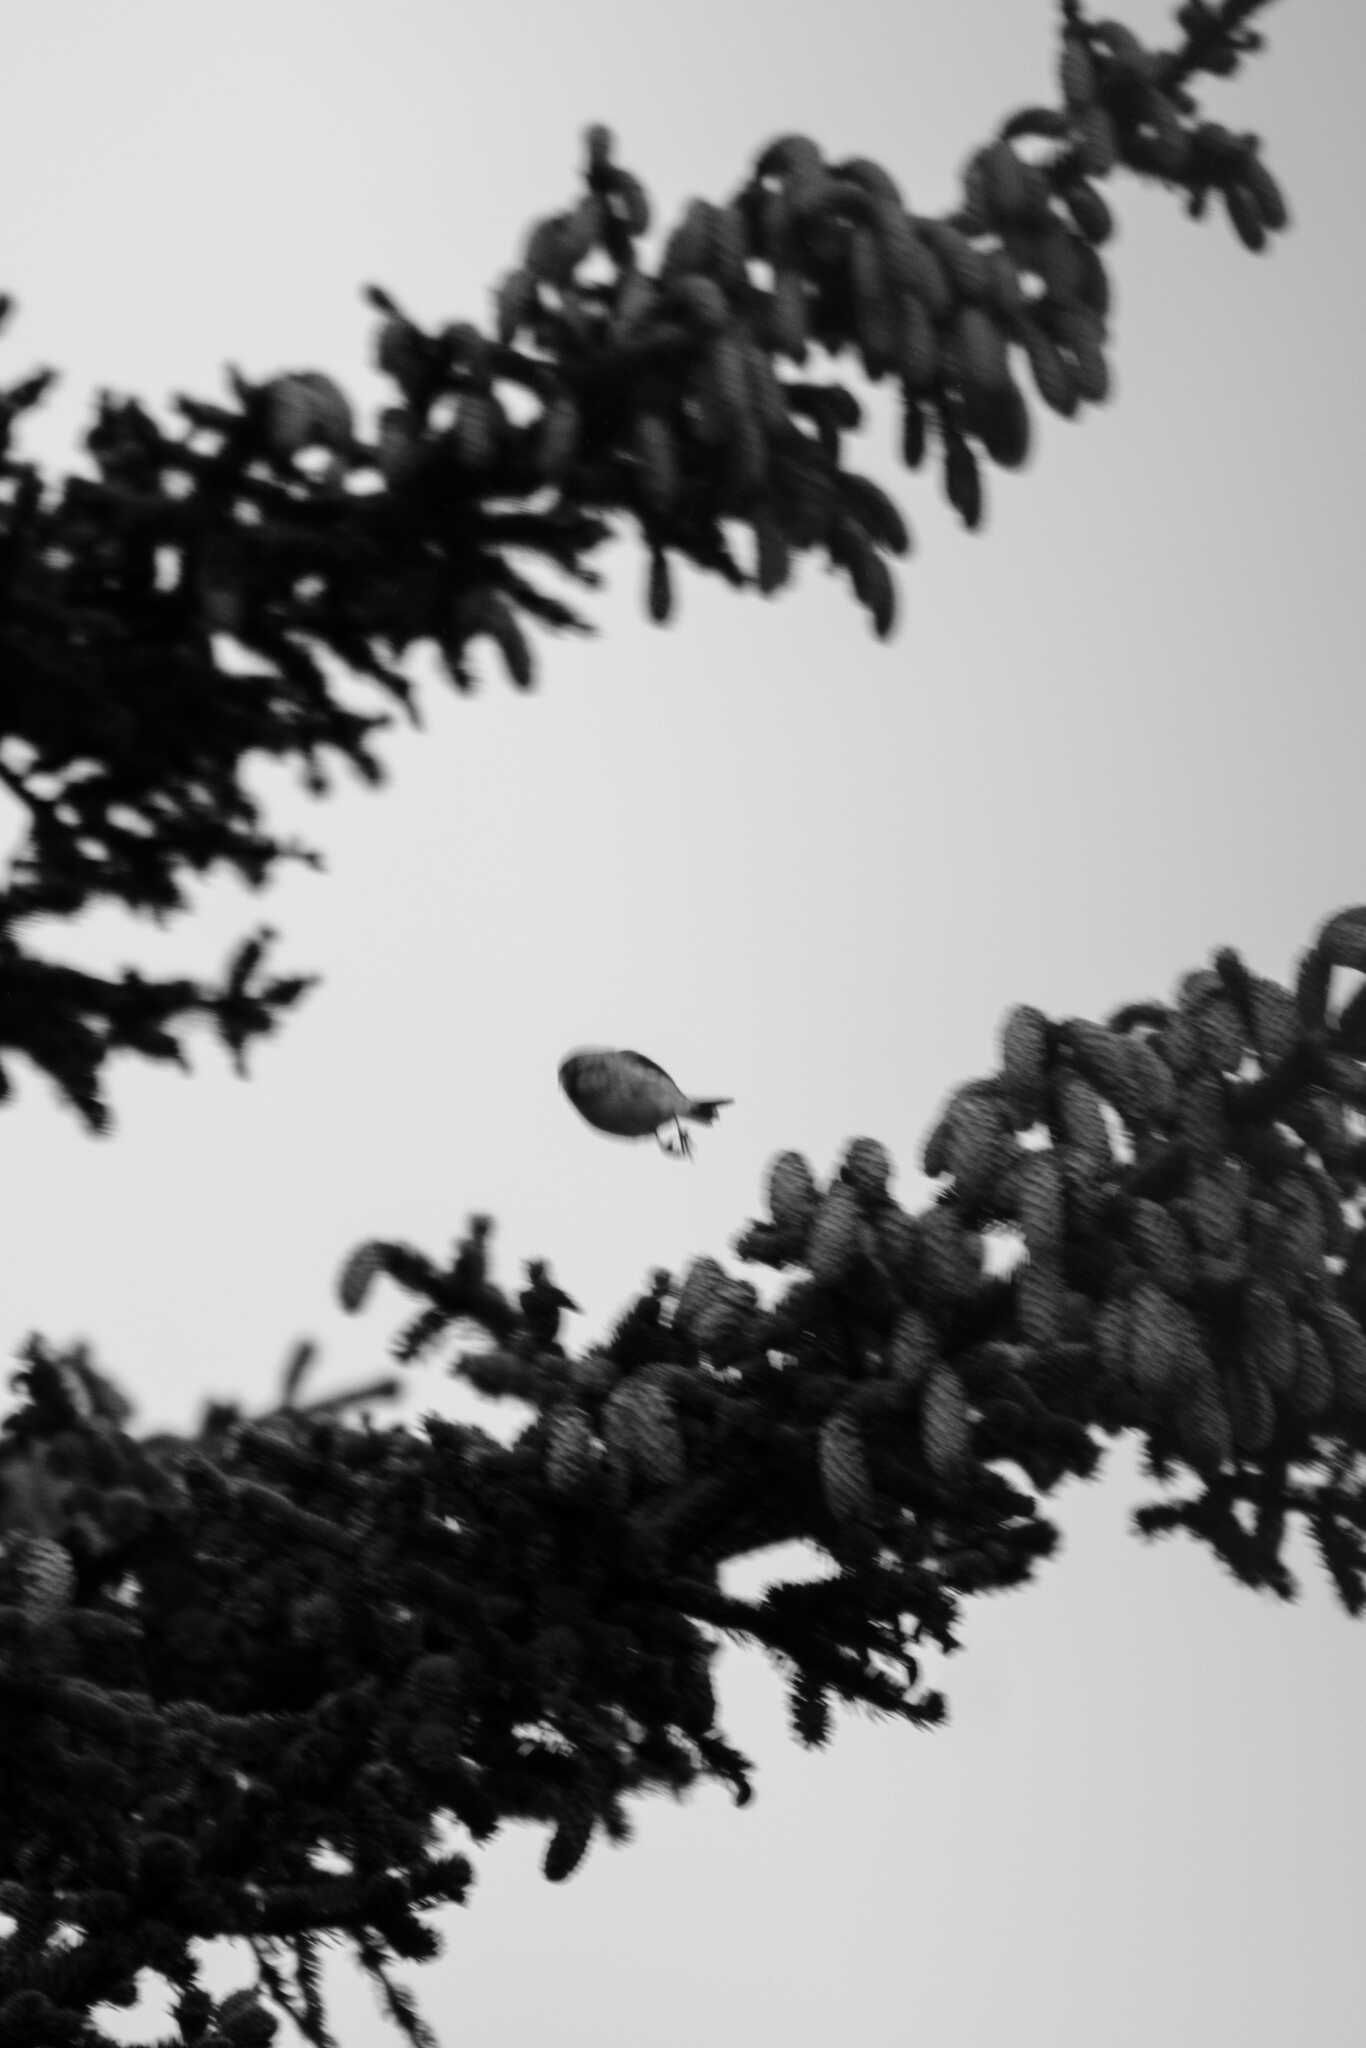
{"x":641,"y":1061}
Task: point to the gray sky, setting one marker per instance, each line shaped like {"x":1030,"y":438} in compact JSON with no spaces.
{"x":1117,"y":729}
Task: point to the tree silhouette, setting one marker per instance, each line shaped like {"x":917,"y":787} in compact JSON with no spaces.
{"x":252,"y":1680}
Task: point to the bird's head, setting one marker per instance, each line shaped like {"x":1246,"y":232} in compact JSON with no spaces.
{"x":577,"y":1066}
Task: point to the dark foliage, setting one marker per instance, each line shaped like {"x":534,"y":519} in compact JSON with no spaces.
{"x":253,"y":1682}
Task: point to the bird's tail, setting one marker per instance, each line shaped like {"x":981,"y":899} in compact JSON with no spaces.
{"x":701,"y":1112}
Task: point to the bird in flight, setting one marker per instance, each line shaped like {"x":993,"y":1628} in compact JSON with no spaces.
{"x":629,"y":1096}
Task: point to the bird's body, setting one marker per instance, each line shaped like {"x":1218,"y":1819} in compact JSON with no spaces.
{"x":630,"y":1096}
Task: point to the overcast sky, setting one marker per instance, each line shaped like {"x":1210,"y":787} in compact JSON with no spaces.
{"x":1118,"y":728}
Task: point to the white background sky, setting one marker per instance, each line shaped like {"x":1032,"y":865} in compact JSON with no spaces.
{"x":1119,"y":728}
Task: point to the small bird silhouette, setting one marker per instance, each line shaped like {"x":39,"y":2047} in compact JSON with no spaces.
{"x":629,"y":1096}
